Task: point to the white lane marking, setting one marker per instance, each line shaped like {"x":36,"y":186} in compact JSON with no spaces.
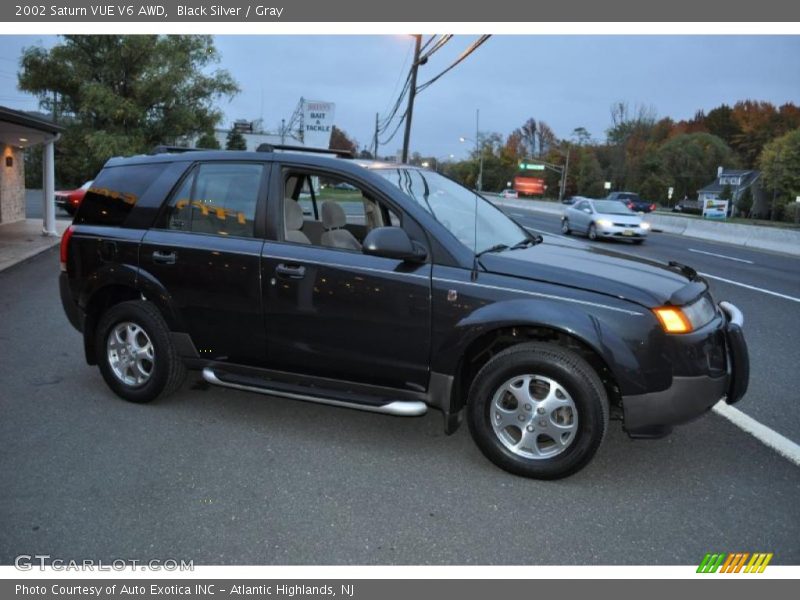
{"x":769,"y":437}
{"x":752,"y":287}
{"x":741,"y":260}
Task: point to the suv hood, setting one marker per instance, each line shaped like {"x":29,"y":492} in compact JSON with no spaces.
{"x":639,"y":280}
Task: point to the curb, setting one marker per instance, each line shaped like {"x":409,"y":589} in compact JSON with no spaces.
{"x":23,"y":258}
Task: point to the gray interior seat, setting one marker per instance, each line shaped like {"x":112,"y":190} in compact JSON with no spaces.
{"x":293,"y":221}
{"x":314,"y":231}
{"x":333,"y":220}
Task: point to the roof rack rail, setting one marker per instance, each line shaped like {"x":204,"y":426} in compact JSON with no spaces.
{"x":173,"y":149}
{"x":273,"y":147}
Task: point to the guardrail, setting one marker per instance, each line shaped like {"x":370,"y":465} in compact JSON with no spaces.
{"x":775,"y":239}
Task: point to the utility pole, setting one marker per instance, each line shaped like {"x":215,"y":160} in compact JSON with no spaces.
{"x":563,"y":189}
{"x":283,"y":131}
{"x":375,"y":140}
{"x":412,"y":92}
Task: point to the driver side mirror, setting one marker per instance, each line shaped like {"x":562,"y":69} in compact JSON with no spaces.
{"x":588,"y":211}
{"x":393,"y":242}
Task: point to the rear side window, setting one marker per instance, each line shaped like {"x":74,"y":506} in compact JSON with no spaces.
{"x":115,"y":192}
{"x":216,"y":198}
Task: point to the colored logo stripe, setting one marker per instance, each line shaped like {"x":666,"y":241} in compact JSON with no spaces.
{"x":733,"y":562}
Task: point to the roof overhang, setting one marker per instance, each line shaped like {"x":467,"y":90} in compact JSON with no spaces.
{"x":22,"y":130}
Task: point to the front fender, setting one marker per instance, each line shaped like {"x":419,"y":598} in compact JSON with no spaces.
{"x":604,"y":334}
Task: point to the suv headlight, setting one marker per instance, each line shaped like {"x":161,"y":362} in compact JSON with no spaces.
{"x":685,"y":319}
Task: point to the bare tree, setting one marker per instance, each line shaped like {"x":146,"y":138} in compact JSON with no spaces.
{"x":547,"y":138}
{"x":529,"y":135}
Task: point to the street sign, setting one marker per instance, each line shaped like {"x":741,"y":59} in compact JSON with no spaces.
{"x":526,"y":166}
{"x":607,"y":185}
{"x":670,"y":192}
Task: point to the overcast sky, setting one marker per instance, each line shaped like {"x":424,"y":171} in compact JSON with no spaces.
{"x":567,"y":81}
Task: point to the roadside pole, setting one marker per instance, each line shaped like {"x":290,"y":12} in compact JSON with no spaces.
{"x":412,"y":92}
{"x":563,"y":188}
{"x":375,"y":140}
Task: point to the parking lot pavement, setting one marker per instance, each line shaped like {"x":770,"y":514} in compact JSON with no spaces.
{"x":764,"y":285}
{"x":225,"y":477}
{"x":33,"y":206}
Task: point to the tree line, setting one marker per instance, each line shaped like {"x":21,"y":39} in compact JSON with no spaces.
{"x":648,"y":155}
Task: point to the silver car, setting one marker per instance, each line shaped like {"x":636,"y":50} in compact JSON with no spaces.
{"x":604,"y":219}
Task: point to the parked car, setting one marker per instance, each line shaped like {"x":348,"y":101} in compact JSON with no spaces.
{"x":431,"y":299}
{"x":509,"y":193}
{"x":69,"y":200}
{"x":633,"y":201}
{"x":686,"y":206}
{"x":600,"y":219}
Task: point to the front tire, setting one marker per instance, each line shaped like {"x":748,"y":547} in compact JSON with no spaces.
{"x":538,"y":410}
{"x":592,"y":232}
{"x":565,"y":227}
{"x":135,"y":354}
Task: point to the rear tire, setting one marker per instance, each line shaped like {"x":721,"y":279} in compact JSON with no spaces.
{"x":538,"y":410}
{"x":135,"y":354}
{"x":638,"y":242}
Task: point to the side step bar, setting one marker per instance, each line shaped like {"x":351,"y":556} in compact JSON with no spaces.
{"x":404,"y":408}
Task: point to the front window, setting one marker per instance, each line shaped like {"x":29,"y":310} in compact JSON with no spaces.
{"x":456,"y":207}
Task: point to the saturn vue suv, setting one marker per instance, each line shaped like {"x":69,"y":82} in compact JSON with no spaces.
{"x":398,"y":292}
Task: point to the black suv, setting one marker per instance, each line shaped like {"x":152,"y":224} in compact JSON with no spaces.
{"x":397,"y":292}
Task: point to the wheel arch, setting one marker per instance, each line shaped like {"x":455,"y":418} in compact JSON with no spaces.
{"x":520,"y":321}
{"x":126,"y":285}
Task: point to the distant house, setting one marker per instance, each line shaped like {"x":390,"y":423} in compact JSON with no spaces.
{"x":738,"y":181}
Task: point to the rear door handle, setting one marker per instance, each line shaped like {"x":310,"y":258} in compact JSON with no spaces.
{"x":290,"y":271}
{"x":165,"y":258}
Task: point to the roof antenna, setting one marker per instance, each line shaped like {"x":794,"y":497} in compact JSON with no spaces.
{"x":479,"y":185}
{"x":474,"y":274}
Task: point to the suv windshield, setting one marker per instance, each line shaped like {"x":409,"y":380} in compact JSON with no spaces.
{"x":454,"y":206}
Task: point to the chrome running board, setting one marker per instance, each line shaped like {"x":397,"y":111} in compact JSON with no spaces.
{"x":400,"y":408}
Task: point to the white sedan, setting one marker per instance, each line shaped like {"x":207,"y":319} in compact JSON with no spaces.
{"x":599,"y":219}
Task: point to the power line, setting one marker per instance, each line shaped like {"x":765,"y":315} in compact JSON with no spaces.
{"x":420,"y":59}
{"x":441,"y":42}
{"x":400,"y":74}
{"x":396,"y":129}
{"x":474,"y":46}
{"x":387,"y":120}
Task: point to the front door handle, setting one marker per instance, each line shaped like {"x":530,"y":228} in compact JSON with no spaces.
{"x":290,"y":271}
{"x":165,"y":258}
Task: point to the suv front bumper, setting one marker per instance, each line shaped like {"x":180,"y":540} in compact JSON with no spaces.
{"x":654,"y":414}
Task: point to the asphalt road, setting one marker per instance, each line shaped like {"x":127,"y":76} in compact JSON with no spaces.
{"x":772,"y":323}
{"x":226,"y":477}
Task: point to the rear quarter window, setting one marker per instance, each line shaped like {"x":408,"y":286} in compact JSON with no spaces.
{"x":115,"y":192}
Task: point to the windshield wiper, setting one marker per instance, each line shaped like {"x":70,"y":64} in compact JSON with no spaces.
{"x":531,"y":241}
{"x":495,"y":248}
